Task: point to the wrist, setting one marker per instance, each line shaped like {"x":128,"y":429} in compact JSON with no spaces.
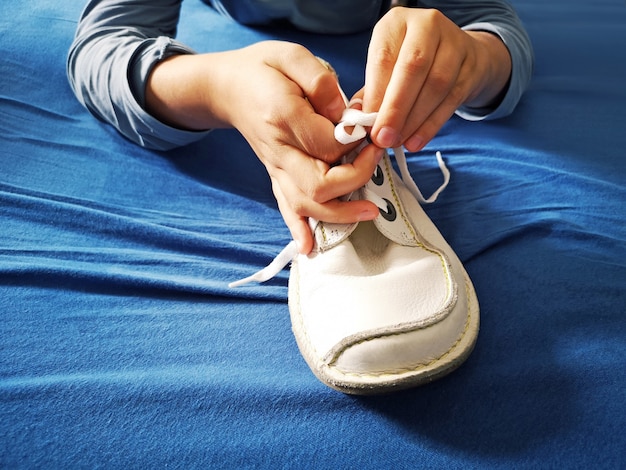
{"x":494,"y":59}
{"x":178,"y":92}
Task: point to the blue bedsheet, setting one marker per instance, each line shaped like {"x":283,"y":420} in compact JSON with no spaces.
{"x":122,"y":346}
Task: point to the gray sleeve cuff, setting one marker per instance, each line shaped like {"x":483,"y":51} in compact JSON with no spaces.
{"x":520,"y":49}
{"x":147,"y":130}
{"x":117,"y":44}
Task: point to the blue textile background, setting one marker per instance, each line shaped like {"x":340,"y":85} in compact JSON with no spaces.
{"x":121,"y":345}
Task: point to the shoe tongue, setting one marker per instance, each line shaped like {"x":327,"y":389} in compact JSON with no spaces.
{"x":392,"y":222}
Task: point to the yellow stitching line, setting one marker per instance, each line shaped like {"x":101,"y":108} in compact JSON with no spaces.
{"x":310,"y":347}
{"x":410,"y":226}
{"x":323,"y":229}
{"x":422,"y":366}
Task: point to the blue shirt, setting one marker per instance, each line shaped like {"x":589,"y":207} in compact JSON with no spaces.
{"x":320,"y":16}
{"x":133,"y":35}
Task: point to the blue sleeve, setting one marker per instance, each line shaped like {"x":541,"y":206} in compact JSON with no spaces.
{"x":114,"y":36}
{"x":497,"y":17}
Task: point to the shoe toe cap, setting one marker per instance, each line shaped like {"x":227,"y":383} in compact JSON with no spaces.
{"x":390,"y":359}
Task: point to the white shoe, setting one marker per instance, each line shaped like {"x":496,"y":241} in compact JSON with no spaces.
{"x":383,"y":305}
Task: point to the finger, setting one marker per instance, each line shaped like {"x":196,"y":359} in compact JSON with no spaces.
{"x":321,"y":182}
{"x":315,"y":78}
{"x":357,"y":99}
{"x":298,"y":225}
{"x":447,"y":87}
{"x":432,"y":124}
{"x":296,"y":208}
{"x":382,"y":54}
{"x":313,"y":134}
{"x":409,"y":74}
{"x":443,"y":89}
{"x":343,"y":212}
{"x":345,"y":178}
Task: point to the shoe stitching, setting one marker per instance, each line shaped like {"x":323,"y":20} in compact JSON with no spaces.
{"x":450,"y":296}
{"x":311,"y":354}
{"x":323,"y":230}
{"x":417,"y":365}
{"x":409,"y":225}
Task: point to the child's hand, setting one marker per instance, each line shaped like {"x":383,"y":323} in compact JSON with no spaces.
{"x":285,"y":103}
{"x":421,"y":67}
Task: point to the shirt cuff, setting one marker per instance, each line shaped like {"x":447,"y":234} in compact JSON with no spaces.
{"x":515,"y":87}
{"x":149,"y":131}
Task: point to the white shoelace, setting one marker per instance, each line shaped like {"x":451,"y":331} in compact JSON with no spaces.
{"x":359,"y":121}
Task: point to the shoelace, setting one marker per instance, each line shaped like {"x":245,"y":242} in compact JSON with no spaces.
{"x":359,"y":121}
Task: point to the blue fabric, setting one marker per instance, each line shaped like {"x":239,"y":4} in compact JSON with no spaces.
{"x":346,"y":16}
{"x":121,"y":346}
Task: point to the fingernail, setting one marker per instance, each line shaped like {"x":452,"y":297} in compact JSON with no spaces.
{"x":414,"y":144}
{"x":335,"y":108}
{"x":367,"y":215}
{"x":387,"y":137}
{"x":379,"y":155}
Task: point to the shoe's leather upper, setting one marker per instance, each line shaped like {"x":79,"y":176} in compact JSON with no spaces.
{"x":376,"y":297}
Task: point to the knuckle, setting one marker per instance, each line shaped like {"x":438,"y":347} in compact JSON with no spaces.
{"x":432,"y":14}
{"x":294,"y":50}
{"x":413,"y":63}
{"x":317,"y":193}
{"x":440,"y":81}
{"x":322,"y":81}
{"x":456,"y":96}
{"x":299,"y":207}
{"x":393,"y":16}
{"x":384,"y":57}
{"x":317,"y":188}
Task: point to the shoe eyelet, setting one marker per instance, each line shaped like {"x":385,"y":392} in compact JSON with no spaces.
{"x":390,"y":214}
{"x":378,"y":177}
